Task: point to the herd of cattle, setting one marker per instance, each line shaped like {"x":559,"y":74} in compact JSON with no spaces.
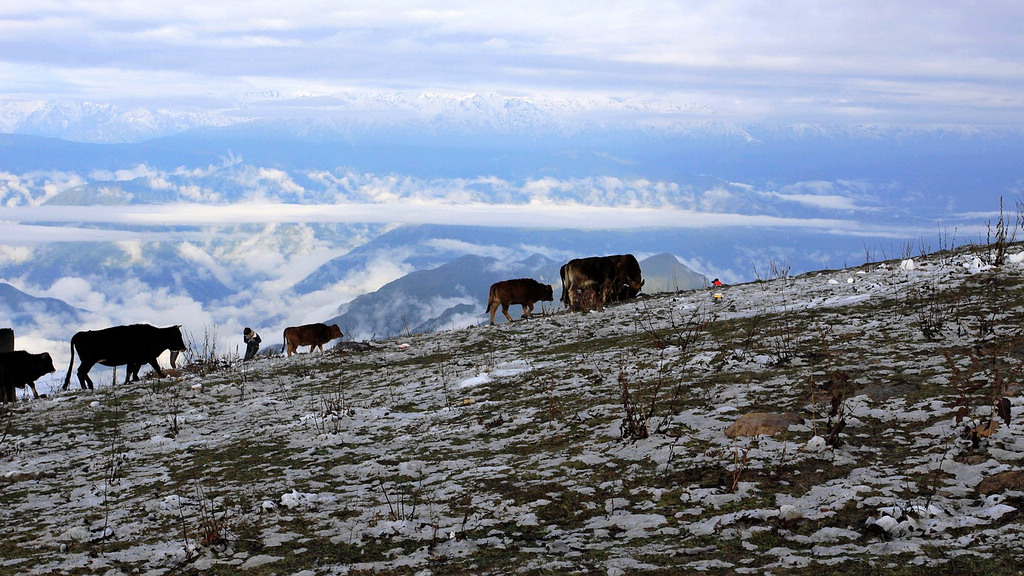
{"x":586,"y":283}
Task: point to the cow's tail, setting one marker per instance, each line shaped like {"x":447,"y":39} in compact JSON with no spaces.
{"x":284,"y":339}
{"x":492,"y":300}
{"x":565,"y":294}
{"x":67,"y":379}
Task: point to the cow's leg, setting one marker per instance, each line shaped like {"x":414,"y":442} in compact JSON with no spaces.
{"x":578,"y":300}
{"x":590,"y":298}
{"x":582,"y":296}
{"x":83,"y":375}
{"x":32,"y":385}
{"x":504,"y":310}
{"x":527,"y":310}
{"x":607,"y":295}
{"x":156,"y":367}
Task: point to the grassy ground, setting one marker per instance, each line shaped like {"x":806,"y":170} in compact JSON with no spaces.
{"x":584,"y":444}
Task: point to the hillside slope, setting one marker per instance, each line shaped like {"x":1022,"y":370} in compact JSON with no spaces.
{"x":602,"y":443}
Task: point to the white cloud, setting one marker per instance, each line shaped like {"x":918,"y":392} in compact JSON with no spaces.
{"x":15,"y":254}
{"x":378,"y":272}
{"x":12,"y":233}
{"x":78,"y":293}
{"x":133,"y":249}
{"x":716,"y":199}
{"x":34,"y":188}
{"x":494,"y":251}
{"x":280,"y":180}
{"x":193,"y":253}
{"x":826,"y":201}
{"x":539,"y":216}
{"x":841,"y":195}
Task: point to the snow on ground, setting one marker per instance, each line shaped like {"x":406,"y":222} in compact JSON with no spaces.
{"x":569,"y":443}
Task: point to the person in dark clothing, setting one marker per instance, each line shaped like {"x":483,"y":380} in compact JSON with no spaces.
{"x":252,"y":343}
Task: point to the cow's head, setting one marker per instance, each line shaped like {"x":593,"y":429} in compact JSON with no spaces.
{"x":174,"y":340}
{"x":334,"y":331}
{"x":632,"y":287}
{"x":46,"y":363}
{"x":548,"y":293}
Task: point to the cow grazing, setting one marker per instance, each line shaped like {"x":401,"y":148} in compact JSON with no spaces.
{"x":312,"y":335}
{"x":523,"y":291}
{"x":132,"y":345}
{"x":600,"y":279}
{"x":19,"y":369}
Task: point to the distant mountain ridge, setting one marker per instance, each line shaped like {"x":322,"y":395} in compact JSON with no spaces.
{"x":389,"y":114}
{"x":342,"y":112}
{"x":664,"y":273}
{"x":19,"y":310}
{"x":99,"y":122}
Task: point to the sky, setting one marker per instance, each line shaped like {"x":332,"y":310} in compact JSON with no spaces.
{"x":861,"y":61}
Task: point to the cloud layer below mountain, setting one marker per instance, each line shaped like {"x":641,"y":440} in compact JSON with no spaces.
{"x":476,"y":214}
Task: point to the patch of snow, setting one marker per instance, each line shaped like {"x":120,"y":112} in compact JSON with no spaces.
{"x":630,"y":525}
{"x":259,"y":560}
{"x":790,"y":512}
{"x":816,"y":445}
{"x":296,"y":499}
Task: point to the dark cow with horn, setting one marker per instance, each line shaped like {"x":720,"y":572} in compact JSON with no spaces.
{"x":591,"y":282}
{"x":312,"y":335}
{"x":523,"y":291}
{"x":19,"y":369}
{"x":132,"y":345}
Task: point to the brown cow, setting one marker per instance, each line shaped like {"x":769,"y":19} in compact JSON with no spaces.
{"x":596,"y":280}
{"x":312,"y":335}
{"x":523,"y":291}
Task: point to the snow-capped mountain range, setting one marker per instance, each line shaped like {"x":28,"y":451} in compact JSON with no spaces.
{"x":111,"y":123}
{"x":367,"y":112}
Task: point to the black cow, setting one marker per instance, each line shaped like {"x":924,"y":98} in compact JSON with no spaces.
{"x":132,"y":345}
{"x":19,"y":369}
{"x":600,"y":279}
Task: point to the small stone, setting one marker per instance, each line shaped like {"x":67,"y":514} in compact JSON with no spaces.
{"x":758,"y":423}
